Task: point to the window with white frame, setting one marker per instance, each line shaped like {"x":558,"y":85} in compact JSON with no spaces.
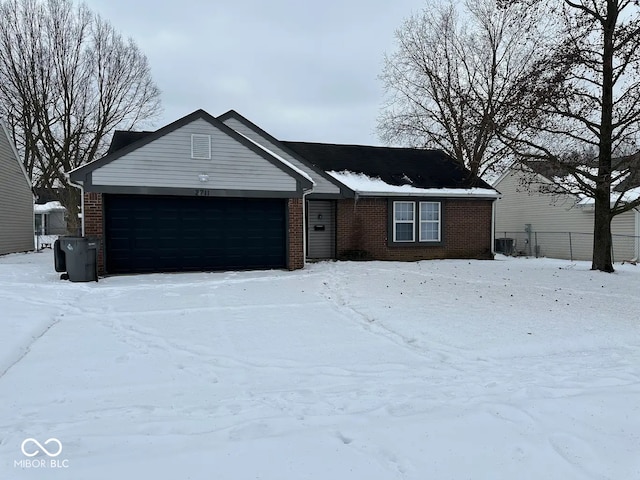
{"x":201,"y":146}
{"x":404,"y":214}
{"x":429,"y":221}
{"x":414,"y":222}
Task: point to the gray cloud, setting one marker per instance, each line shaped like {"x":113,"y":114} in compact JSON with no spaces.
{"x":301,"y":70}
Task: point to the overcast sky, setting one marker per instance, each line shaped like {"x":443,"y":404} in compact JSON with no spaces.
{"x":304,"y":71}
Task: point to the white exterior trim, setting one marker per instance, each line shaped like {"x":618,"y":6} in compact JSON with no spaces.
{"x":420,"y":222}
{"x":637,"y":210}
{"x":433,"y":193}
{"x":281,"y":160}
{"x":397,"y":222}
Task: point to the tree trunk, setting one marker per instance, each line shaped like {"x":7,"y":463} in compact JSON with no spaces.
{"x":602,"y":243}
{"x":71,"y":201}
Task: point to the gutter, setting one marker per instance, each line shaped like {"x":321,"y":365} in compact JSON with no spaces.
{"x":488,"y":196}
{"x":80,"y":187}
{"x":493,"y":228}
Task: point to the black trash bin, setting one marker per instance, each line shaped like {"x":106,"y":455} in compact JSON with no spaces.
{"x":80,"y":258}
{"x":59,"y":260}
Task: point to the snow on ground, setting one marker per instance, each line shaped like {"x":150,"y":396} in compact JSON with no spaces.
{"x":506,"y":369}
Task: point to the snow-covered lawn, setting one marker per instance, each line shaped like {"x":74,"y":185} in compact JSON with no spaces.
{"x":511,"y":369}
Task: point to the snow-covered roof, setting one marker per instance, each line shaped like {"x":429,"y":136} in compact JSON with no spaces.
{"x":365,"y":185}
{"x":427,"y":170}
{"x":630,"y":195}
{"x":48,"y":207}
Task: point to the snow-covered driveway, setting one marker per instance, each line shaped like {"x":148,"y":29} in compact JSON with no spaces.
{"x":511,"y":369}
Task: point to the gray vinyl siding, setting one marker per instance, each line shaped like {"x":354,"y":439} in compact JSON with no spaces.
{"x":167,"y":162}
{"x":551,"y":216}
{"x":321,"y":243}
{"x":322,"y":185}
{"x":16,"y":202}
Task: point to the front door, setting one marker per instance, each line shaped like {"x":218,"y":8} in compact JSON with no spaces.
{"x":321,"y":229}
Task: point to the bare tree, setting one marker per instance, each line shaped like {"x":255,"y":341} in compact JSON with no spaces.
{"x":455,"y":79}
{"x":67,"y":80}
{"x":583,"y":116}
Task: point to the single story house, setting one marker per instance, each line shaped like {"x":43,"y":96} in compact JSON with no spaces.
{"x":16,"y":199}
{"x":555,"y":225}
{"x":207,"y":193}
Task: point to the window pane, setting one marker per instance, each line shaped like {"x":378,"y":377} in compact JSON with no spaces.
{"x":404,"y":232}
{"x":403,"y":211}
{"x":429,"y":211}
{"x":429,"y":231}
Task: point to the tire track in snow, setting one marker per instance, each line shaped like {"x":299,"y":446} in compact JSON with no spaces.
{"x":24,"y":350}
{"x":335,"y":285}
{"x":39,"y":332}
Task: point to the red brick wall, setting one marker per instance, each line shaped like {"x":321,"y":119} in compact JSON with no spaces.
{"x":93,"y":222}
{"x":296,"y":234}
{"x":363,"y":225}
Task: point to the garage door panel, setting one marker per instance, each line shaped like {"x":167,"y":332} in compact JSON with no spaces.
{"x":160,"y":234}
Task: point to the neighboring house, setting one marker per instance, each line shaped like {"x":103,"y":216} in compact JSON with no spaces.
{"x":50,"y":219}
{"x":16,"y":200}
{"x":50,"y":213}
{"x":535,"y":219}
{"x":206,"y":193}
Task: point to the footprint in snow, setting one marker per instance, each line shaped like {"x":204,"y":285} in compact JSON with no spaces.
{"x":344,"y":439}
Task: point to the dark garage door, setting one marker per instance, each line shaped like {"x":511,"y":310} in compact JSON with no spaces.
{"x":168,"y":234}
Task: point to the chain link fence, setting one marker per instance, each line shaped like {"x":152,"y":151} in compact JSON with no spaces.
{"x":565,"y":245}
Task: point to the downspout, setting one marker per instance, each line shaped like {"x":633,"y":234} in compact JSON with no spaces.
{"x":493,"y":227}
{"x":304,"y":226}
{"x":637,"y":242}
{"x":304,"y":223}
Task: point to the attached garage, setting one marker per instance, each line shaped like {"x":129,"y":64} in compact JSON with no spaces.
{"x":193,"y":196}
{"x":148,"y":233}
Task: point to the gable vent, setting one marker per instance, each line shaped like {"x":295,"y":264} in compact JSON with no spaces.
{"x":201,"y":146}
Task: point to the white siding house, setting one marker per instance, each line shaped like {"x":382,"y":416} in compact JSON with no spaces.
{"x":16,"y":200}
{"x":557,"y":226}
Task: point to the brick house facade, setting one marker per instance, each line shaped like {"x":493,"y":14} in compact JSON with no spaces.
{"x":93,"y":217}
{"x":295,"y":237}
{"x":362,"y":225}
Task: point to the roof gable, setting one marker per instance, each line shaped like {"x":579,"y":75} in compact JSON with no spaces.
{"x":124,"y":143}
{"x":325,"y":183}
